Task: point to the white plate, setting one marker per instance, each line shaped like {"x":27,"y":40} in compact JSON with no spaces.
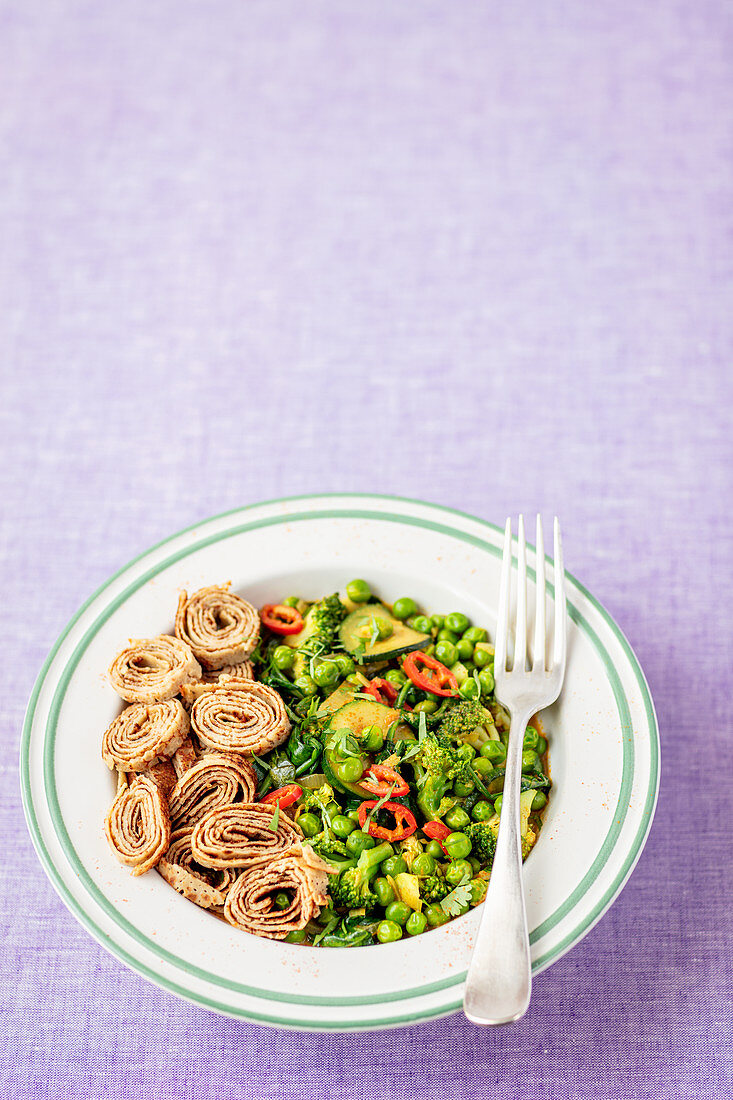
{"x":604,"y":754}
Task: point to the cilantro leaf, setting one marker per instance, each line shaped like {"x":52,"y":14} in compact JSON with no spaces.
{"x":454,"y":902}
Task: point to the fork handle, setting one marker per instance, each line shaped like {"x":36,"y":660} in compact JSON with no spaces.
{"x":499,"y":980}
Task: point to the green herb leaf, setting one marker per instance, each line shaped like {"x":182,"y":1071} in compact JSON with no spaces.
{"x":455,"y":901}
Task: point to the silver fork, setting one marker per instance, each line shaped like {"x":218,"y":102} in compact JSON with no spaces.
{"x":499,"y":981}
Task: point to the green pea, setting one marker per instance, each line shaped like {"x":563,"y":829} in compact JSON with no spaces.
{"x":326,"y":673}
{"x":434,"y":849}
{"x":306,"y":684}
{"x":382,"y":627}
{"x":482,"y":810}
{"x":416,"y":924}
{"x":388,"y":931}
{"x":384,"y":891}
{"x":291,"y":601}
{"x":469,"y":689}
{"x":497,"y":804}
{"x":395,"y":677}
{"x":475,"y":864}
{"x":447,"y":636}
{"x":350,"y":770}
{"x":353,"y":815}
{"x":298,"y":936}
{"x":373,"y":739}
{"x":395,"y":865}
{"x":404,"y":608}
{"x":464,"y":650}
{"x":482,"y":766}
{"x":486,"y":681}
{"x":531,"y":737}
{"x":530,"y":760}
{"x":426,"y":706}
{"x":475,"y":634}
{"x":420,"y":622}
{"x":398,"y":911}
{"x":435,"y":916}
{"x":462,"y":788}
{"x":342,"y":826}
{"x":459,"y":872}
{"x":281,"y":899}
{"x":283,"y":657}
{"x":494,"y":751}
{"x":446,"y":653}
{"x":457,"y":622}
{"x":310,"y":824}
{"x":358,"y":591}
{"x":344,"y":663}
{"x":437,"y":621}
{"x":423,"y":865}
{"x":358,"y":841}
{"x":456,"y":818}
{"x":482,"y":657}
{"x":539,"y":801}
{"x":541,"y":746}
{"x":457,"y":845}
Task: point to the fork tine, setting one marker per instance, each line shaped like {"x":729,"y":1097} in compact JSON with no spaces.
{"x":520,"y":647}
{"x":502,"y":624}
{"x":558,"y":649}
{"x":539,"y":622}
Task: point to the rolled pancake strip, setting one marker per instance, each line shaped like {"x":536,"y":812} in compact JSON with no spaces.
{"x":220,"y":627}
{"x":138,"y":826}
{"x":191,"y":691}
{"x":241,"y":836}
{"x":250,"y":903}
{"x":238,"y":716}
{"x":152,"y":670}
{"x":163,"y":774}
{"x":144,"y":734}
{"x":184,"y":757}
{"x":215,"y":780}
{"x":195,"y":884}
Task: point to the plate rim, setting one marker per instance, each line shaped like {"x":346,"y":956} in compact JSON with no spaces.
{"x":636,"y":846}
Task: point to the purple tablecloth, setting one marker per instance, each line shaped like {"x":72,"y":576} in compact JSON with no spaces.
{"x":474,"y":253}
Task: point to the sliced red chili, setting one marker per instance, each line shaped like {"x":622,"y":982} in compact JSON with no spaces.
{"x":281,"y":619}
{"x":382,"y":691}
{"x":405,"y":824}
{"x":428,"y":674}
{"x":284,"y":796}
{"x":436,"y":830}
{"x":381,"y":779}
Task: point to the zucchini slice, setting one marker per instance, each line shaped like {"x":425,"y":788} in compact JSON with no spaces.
{"x":359,"y":628}
{"x":356,"y":716}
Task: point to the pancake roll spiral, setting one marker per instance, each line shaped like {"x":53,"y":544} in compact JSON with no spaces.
{"x":242,"y":836}
{"x":138,"y":825}
{"x":240,"y":716}
{"x":300,"y":873}
{"x":144,"y":734}
{"x":215,"y":780}
{"x":152,"y":670}
{"x":220,"y":627}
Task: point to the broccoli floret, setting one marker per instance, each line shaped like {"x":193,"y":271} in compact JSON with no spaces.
{"x":324,"y":618}
{"x":437,"y":763}
{"x":482,"y":835}
{"x":351,"y":889}
{"x":329,"y":849}
{"x":434,"y":888}
{"x":317,"y":798}
{"x":462,"y":719}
